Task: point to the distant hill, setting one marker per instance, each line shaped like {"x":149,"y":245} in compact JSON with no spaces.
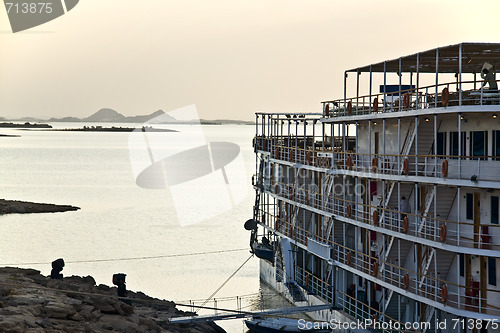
{"x":111,"y":116}
{"x":229,"y":121}
{"x":107,"y":115}
{"x":65,"y":119}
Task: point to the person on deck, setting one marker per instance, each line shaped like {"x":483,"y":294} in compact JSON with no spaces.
{"x":404,"y":207}
{"x":488,"y":75}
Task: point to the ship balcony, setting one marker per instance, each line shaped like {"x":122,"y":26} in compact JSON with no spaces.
{"x":313,"y":284}
{"x":429,"y":97}
{"x":362,"y":311}
{"x":421,"y":227}
{"x":474,"y":168}
{"x":428,"y":286}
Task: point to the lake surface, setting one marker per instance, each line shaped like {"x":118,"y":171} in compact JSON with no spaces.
{"x":120,"y":220}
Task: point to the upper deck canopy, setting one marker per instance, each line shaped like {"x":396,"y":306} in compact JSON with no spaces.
{"x":474,"y":55}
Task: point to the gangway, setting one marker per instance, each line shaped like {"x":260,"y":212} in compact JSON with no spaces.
{"x":235,"y":314}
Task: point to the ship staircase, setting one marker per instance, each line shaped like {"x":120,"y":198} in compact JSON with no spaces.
{"x":390,"y":252}
{"x":425,"y":140}
{"x":428,"y":315}
{"x":295,"y":291}
{"x":256,"y":204}
{"x":405,"y":150}
{"x":389,"y":300}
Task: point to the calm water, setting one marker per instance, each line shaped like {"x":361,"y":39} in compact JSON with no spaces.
{"x":119,"y":219}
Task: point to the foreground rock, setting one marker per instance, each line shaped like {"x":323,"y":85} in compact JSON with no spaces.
{"x":31,"y":302}
{"x":24,"y":207}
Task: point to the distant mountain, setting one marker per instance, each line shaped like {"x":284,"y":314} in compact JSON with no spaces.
{"x":165,"y":118}
{"x":107,"y":115}
{"x":111,"y":116}
{"x":229,"y":121}
{"x":65,"y":119}
{"x":30,"y":119}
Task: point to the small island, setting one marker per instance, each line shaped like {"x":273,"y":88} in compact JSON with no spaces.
{"x":25,"y":125}
{"x":24,"y":207}
{"x":114,"y":129}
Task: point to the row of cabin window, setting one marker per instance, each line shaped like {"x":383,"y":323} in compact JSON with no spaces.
{"x":478,"y":143}
{"x":494,"y":213}
{"x":469,"y":211}
{"x":492,"y":269}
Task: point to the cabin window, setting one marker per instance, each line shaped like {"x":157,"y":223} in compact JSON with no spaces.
{"x":479,"y":144}
{"x":469,"y":207}
{"x":496,"y":144}
{"x":492,"y":271}
{"x":462,"y":264}
{"x":454,"y":144}
{"x":494,"y":210}
{"x":441,"y":143}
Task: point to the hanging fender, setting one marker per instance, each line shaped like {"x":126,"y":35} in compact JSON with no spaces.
{"x":406,"y":100}
{"x":406,"y":224}
{"x":444,"y":294}
{"x":442,"y":233}
{"x":406,"y":281}
{"x":445,"y":95}
{"x":444,"y":170}
{"x":406,"y":165}
{"x":349,"y":108}
{"x":349,"y":163}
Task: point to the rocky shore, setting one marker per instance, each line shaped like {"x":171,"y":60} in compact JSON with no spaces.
{"x":31,"y":302}
{"x":24,"y":207}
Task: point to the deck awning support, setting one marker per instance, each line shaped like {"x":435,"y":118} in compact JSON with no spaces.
{"x":400,"y":74}
{"x":385,"y":84}
{"x":437,"y":77}
{"x":460,"y":51}
{"x":370,"y":92}
{"x":345,"y":93}
{"x":418,"y":80}
{"x":358,"y":73}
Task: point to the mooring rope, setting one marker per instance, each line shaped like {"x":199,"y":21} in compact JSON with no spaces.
{"x":126,"y":259}
{"x":224,"y":283}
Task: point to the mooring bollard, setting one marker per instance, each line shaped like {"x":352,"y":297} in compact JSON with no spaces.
{"x":57,"y":267}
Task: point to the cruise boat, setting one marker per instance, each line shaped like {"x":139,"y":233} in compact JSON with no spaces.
{"x":385,"y":203}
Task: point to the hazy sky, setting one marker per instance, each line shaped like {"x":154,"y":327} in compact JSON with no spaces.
{"x":230,"y":58}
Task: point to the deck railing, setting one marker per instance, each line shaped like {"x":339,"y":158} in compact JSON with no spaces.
{"x":369,"y":315}
{"x":433,"y":96}
{"x":426,"y":227}
{"x":313,"y":284}
{"x":417,"y":283}
{"x":476,"y":168}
